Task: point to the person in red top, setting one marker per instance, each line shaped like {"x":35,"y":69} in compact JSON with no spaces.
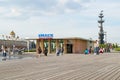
{"x":101,"y":50}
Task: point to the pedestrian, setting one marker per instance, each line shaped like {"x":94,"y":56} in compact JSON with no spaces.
{"x":58,"y":51}
{"x":101,"y":50}
{"x":45,"y":51}
{"x":90,"y":51}
{"x":39,"y":51}
{"x":9,"y":52}
{"x":4,"y":53}
{"x":97,"y":50}
{"x":86,"y":51}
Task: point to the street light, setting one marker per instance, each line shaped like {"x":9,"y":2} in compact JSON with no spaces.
{"x":3,"y":38}
{"x":28,"y":44}
{"x":90,"y":41}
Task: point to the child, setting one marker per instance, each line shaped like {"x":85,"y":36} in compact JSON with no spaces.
{"x":86,"y":51}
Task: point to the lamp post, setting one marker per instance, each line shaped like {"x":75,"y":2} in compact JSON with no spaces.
{"x":3,"y":38}
{"x":90,"y":43}
{"x":28,"y":43}
{"x":2,"y":45}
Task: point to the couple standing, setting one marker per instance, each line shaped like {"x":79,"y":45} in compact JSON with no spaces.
{"x":40,"y":51}
{"x":60,"y":50}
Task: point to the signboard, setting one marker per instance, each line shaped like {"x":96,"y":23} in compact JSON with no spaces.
{"x":45,"y":36}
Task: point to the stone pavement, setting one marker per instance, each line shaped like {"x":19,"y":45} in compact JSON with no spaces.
{"x":67,"y":67}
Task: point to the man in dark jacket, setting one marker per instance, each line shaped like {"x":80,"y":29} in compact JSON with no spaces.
{"x":45,"y":51}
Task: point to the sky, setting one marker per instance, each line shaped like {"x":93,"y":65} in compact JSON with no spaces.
{"x":63,"y":18}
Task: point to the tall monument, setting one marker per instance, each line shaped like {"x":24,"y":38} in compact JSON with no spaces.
{"x":101,"y":32}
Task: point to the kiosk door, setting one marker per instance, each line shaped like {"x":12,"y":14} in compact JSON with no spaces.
{"x":69,"y":48}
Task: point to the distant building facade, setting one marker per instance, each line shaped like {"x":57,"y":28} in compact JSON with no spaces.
{"x":70,"y":45}
{"x":12,"y":40}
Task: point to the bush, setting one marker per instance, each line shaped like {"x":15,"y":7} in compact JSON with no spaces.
{"x":117,"y":49}
{"x":31,"y":50}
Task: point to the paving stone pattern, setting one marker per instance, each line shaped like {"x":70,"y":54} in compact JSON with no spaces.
{"x":67,"y":67}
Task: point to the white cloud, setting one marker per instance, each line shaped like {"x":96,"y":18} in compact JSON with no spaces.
{"x":71,"y":17}
{"x":67,"y":10}
{"x":14,"y":12}
{"x":2,"y":10}
{"x":62,"y":2}
{"x":40,"y":7}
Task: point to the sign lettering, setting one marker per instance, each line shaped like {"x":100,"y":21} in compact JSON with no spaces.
{"x":45,"y":36}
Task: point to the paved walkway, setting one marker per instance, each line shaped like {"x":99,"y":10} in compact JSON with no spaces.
{"x":66,"y":67}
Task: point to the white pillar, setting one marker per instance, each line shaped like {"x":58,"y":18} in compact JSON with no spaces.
{"x":28,"y":46}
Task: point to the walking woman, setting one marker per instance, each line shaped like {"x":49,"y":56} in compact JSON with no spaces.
{"x":39,"y":51}
{"x":45,"y":51}
{"x":4,"y":53}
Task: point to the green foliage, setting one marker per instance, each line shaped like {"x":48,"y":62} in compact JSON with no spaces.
{"x":117,"y":49}
{"x":31,"y":50}
{"x":102,"y":45}
{"x":115,"y":45}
